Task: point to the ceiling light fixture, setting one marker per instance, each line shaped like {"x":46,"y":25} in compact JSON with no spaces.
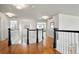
{"x":10,"y":14}
{"x":45,"y":17}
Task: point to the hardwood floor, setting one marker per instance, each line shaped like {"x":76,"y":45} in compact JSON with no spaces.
{"x":44,"y":47}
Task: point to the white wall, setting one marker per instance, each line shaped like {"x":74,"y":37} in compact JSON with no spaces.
{"x":68,"y":22}
{"x":3,"y":27}
{"x":56,"y":20}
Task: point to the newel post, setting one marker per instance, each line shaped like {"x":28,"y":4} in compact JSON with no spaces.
{"x":54,"y":45}
{"x":9,"y":37}
{"x":28,"y":36}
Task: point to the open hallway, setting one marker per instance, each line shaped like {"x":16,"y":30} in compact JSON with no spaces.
{"x":30,"y":30}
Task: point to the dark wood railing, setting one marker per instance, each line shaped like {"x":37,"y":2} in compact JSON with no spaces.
{"x":37,"y":30}
{"x":28,"y":30}
{"x":63,"y":33}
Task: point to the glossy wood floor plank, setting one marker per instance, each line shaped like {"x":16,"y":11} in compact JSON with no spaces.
{"x":44,"y":47}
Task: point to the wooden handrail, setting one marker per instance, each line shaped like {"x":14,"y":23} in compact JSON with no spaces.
{"x":75,"y":31}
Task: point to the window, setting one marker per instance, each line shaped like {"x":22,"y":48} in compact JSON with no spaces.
{"x":13,"y":24}
{"x":41,"y":25}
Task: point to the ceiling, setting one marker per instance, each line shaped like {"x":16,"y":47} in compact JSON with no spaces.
{"x":36,"y":11}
